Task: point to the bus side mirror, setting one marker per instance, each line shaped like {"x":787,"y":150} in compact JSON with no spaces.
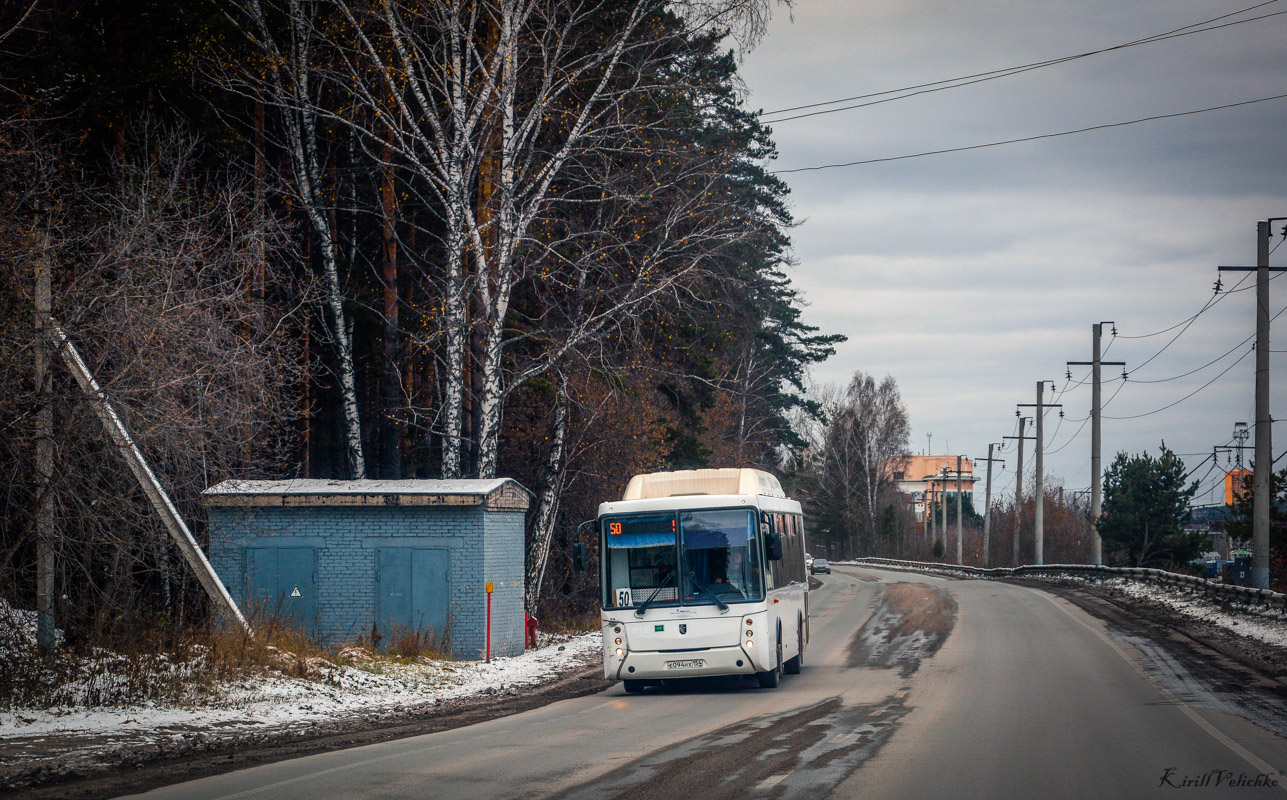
{"x":773,"y":547}
{"x":580,"y":555}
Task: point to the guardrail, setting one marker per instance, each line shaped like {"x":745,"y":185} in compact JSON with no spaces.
{"x":1211,"y":589}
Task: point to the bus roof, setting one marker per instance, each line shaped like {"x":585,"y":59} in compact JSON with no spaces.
{"x":702,"y":482}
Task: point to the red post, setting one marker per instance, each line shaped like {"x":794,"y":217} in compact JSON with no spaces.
{"x":489,"y":622}
{"x":531,"y":631}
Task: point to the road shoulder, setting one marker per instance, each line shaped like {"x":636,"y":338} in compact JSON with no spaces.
{"x":174,"y":759}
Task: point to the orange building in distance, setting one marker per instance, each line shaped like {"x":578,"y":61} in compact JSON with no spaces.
{"x":921,"y":478}
{"x":1234,"y":482}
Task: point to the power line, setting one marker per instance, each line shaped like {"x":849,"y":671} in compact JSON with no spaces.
{"x":1190,"y":394}
{"x":1071,"y":439}
{"x":1113,"y":397}
{"x":1188,"y":323}
{"x":1211,"y":301}
{"x":1210,"y":469}
{"x":1105,"y":126}
{"x":1210,"y":457}
{"x":1204,"y":366}
{"x":1005,"y":72}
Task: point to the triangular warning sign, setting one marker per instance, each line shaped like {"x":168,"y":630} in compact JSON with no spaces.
{"x":295,"y":592}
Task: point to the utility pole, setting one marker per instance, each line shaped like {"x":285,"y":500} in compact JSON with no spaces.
{"x":927,"y":502}
{"x":987,"y":504}
{"x":943,"y":507}
{"x":1096,"y":461}
{"x":958,"y":511}
{"x":1039,"y":496}
{"x":120,"y":437}
{"x":45,"y":530}
{"x":1018,"y":489}
{"x":1240,"y":434}
{"x":1263,"y":467}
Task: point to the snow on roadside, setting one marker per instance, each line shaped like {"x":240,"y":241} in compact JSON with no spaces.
{"x":1270,"y":628}
{"x":1258,"y":623}
{"x":367,"y":685}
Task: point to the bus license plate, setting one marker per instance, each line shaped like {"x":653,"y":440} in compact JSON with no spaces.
{"x":693,"y":664}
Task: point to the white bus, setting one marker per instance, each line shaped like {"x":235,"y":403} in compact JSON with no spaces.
{"x":703,"y":574}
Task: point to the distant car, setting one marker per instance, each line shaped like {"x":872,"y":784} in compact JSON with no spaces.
{"x":808,"y":561}
{"x":820,"y":565}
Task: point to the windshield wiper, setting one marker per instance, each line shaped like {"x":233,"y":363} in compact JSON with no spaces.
{"x":639,"y":612}
{"x":722,"y":605}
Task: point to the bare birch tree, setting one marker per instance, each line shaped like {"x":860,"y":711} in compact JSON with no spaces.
{"x":864,"y":443}
{"x":491,"y":104}
{"x":284,"y":78}
{"x":881,"y":434}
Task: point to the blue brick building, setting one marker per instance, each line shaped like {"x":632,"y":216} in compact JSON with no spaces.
{"x":343,"y":558}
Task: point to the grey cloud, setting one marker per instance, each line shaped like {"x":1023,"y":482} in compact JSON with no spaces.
{"x":969,"y":276}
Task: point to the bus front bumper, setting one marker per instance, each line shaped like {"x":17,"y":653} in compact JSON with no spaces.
{"x":659,"y":665}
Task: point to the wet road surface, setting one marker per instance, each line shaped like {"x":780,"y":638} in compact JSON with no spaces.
{"x":914,"y":686}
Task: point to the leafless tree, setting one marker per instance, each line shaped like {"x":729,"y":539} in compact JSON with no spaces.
{"x":283,"y":76}
{"x":865,"y":442}
{"x":496,"y":106}
{"x":154,"y":278}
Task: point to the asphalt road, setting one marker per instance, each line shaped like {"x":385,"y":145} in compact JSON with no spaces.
{"x":913,"y":687}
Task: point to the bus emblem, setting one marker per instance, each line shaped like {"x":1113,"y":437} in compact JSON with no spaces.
{"x":683,"y":628}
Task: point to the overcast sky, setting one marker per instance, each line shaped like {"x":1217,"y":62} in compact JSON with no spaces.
{"x":970,"y":276}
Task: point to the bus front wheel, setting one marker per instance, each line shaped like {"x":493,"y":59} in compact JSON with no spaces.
{"x":793,"y":665}
{"x":769,"y":678}
{"x":634,"y":686}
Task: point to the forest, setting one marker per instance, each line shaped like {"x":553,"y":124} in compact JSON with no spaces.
{"x":380,"y":239}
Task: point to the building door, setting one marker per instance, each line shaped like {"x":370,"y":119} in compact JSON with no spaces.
{"x":413,"y":590}
{"x":282,"y":582}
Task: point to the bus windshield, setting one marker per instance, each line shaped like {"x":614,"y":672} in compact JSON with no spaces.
{"x":720,"y":559}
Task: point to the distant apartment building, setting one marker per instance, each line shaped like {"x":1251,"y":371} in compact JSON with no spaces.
{"x":1235,"y":484}
{"x":921,"y":478}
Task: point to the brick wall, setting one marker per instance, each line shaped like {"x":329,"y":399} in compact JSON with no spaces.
{"x":483,"y":545}
{"x":503,"y":545}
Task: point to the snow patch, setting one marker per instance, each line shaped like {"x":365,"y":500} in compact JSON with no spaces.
{"x":1268,"y":626}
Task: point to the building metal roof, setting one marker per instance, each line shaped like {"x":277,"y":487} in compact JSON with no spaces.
{"x":496,"y":494}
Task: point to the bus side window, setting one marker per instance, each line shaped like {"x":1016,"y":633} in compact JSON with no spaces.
{"x":789,"y":536}
{"x":799,"y":532}
{"x":797,"y":560}
{"x":772,"y":569}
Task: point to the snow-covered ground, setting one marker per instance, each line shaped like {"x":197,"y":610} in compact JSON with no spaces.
{"x":360,"y":685}
{"x":365,"y":685}
{"x":1260,"y":624}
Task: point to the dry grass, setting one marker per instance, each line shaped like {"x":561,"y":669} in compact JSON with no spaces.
{"x":191,"y":669}
{"x":412,"y":644}
{"x":568,"y":621}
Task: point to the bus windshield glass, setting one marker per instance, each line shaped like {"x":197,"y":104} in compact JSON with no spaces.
{"x":640,"y":560}
{"x":721,"y":560}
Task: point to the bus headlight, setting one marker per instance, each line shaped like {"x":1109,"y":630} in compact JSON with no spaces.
{"x":621,"y":653}
{"x":618,"y":640}
{"x":750,"y":643}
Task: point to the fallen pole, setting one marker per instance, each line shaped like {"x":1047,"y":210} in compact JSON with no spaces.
{"x":120,"y":436}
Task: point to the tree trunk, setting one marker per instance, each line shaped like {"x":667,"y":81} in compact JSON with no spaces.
{"x":391,"y":420}
{"x":548,"y":509}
